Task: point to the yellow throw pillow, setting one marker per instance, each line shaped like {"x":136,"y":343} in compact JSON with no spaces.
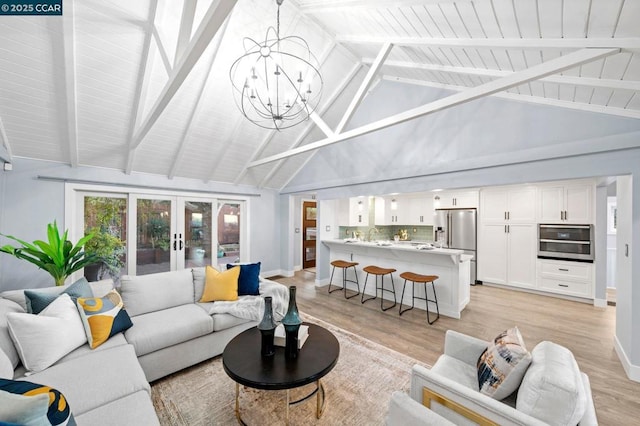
{"x":220,"y":286}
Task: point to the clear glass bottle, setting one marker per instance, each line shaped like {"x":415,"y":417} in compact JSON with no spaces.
{"x":291,"y":322}
{"x":267,"y":329}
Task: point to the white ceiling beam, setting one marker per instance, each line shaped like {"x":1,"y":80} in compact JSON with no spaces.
{"x":484,"y":72}
{"x":330,"y":101}
{"x":69,"y":48}
{"x":362,"y":90}
{"x":186,"y":26}
{"x":516,"y":79}
{"x":163,"y":52}
{"x":211,"y":23}
{"x":5,"y":147}
{"x":602,"y":109}
{"x":340,"y":5}
{"x":272,"y":133}
{"x":196,"y":108}
{"x":321,"y":124}
{"x":501,"y":43}
{"x":142,"y":83}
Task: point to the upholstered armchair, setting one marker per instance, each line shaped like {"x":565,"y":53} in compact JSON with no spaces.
{"x":553,"y":391}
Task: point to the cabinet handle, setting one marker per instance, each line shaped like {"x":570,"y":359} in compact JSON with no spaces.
{"x":508,"y":215}
{"x":455,"y":201}
{"x":565,"y":215}
{"x":563,"y":269}
{"x":563,"y":285}
{"x":359,"y":218}
{"x":561,"y":215}
{"x":505,"y":215}
{"x":505,"y":229}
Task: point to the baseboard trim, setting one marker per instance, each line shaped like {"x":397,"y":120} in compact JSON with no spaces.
{"x":600,"y":303}
{"x":297,"y":268}
{"x":633,"y":371}
{"x":322,"y":282}
{"x":277,"y":272}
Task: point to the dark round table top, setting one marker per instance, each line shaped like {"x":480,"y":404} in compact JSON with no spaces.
{"x":242,"y":361}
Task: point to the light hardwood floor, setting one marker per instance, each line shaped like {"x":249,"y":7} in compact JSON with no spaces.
{"x":587,"y":331}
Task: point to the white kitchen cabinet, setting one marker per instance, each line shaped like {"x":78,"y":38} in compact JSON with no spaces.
{"x":420,"y":211}
{"x":515,"y":204}
{"x":507,"y":254}
{"x":565,"y":277}
{"x":566,"y":203}
{"x":354,"y":212}
{"x":455,"y":199}
{"x":390,"y":210}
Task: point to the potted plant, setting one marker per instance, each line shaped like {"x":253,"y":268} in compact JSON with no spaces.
{"x":109,"y":250}
{"x":58,"y":256}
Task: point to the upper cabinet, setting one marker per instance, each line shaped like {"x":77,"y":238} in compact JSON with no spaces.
{"x":455,"y":200}
{"x":566,"y":203}
{"x":515,"y":204}
{"x":354,"y":212}
{"x":420,"y":210}
{"x":414,"y":210}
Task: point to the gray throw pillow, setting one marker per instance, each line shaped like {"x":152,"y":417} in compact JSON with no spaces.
{"x":37,"y":300}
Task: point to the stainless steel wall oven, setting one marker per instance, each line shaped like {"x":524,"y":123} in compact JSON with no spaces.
{"x":566,"y":242}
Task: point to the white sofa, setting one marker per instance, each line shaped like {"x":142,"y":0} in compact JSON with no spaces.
{"x":552,"y":392}
{"x":109,"y":385}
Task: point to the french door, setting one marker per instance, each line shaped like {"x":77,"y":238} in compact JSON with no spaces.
{"x":157,"y":232}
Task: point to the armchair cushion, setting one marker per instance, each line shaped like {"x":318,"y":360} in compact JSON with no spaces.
{"x":552,"y":377}
{"x":405,"y":411}
{"x":503,"y":364}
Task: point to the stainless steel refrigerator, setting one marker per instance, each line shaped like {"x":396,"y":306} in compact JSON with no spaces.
{"x":459,"y":232}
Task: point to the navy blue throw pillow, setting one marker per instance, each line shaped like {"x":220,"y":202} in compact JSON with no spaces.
{"x":38,"y":300}
{"x":249,"y":280}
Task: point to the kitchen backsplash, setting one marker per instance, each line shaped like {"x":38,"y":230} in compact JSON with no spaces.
{"x":417,"y":233}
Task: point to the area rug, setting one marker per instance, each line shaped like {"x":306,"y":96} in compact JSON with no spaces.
{"x":358,"y":390}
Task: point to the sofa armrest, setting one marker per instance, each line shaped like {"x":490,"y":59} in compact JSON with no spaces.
{"x":464,"y":348}
{"x":589,"y":418}
{"x":405,"y":411}
{"x":462,"y":405}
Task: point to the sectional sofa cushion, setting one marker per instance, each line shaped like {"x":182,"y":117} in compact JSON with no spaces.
{"x":38,"y":300}
{"x":6,"y":344}
{"x":249,"y":280}
{"x":96,"y":379}
{"x":6,"y":368}
{"x":552,"y":389}
{"x":57,"y":410}
{"x":220,"y":286}
{"x":43,"y":339}
{"x":150,"y":293}
{"x":134,"y":409}
{"x":503,"y":364}
{"x":198,"y":282}
{"x":161,"y":329}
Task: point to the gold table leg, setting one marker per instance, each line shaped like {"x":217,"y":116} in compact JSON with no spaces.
{"x":287,"y":412}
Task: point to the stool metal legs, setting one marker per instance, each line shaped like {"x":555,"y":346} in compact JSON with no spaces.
{"x":382,"y":290}
{"x":425,"y":298}
{"x":345,"y":281}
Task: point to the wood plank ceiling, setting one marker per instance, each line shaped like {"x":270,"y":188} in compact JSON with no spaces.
{"x":144,"y":86}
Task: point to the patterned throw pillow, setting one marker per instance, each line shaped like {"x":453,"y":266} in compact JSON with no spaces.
{"x":37,"y":301}
{"x":249,"y":281}
{"x":502,"y":365}
{"x":103,"y":317}
{"x":27,"y":403}
{"x":220,"y":286}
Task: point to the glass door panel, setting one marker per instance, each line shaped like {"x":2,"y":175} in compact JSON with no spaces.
{"x":198,"y":233}
{"x":105,"y":216}
{"x":228,"y":232}
{"x":153,"y":238}
{"x":309,"y":232}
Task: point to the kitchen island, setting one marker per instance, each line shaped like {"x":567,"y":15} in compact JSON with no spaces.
{"x":451,"y":266}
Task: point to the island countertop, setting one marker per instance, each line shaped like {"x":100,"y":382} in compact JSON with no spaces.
{"x":451,"y":266}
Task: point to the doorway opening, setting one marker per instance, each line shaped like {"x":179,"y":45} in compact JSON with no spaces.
{"x":309,"y":234}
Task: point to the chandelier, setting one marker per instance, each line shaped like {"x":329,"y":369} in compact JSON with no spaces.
{"x":277,"y":82}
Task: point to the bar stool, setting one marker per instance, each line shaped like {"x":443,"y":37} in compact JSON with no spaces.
{"x":379,"y":272}
{"x":345,"y":266}
{"x":424,"y":279}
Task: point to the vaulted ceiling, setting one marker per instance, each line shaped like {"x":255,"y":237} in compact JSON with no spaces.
{"x":143,"y":86}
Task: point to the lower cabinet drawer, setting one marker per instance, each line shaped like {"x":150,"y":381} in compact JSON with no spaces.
{"x":566,"y":270}
{"x":566,"y":287}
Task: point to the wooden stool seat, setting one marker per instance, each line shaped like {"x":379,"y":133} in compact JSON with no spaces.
{"x":417,"y":278}
{"x":377,"y":271}
{"x":420,"y":279}
{"x":344,"y":265}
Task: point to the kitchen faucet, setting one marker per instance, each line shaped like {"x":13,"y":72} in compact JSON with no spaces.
{"x":369,"y":233}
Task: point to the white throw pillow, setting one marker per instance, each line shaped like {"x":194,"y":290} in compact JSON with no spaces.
{"x":24,"y":410}
{"x":6,"y":367}
{"x":43,"y":339}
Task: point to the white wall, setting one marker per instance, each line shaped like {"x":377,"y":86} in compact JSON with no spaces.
{"x":27,"y":204}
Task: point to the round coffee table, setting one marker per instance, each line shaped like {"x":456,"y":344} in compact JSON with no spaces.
{"x":242,"y":362}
